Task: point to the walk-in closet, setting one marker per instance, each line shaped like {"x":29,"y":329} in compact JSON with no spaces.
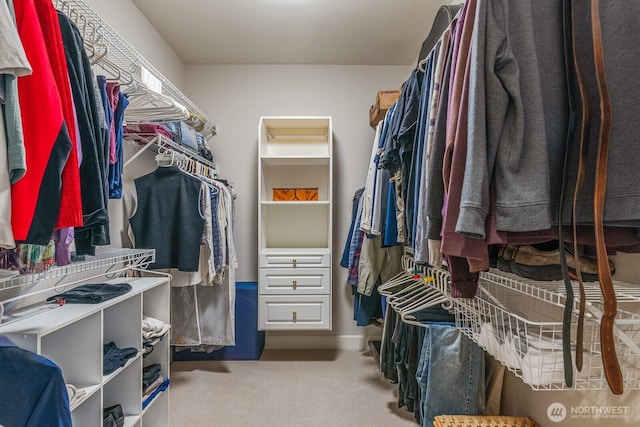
{"x":319,"y":213}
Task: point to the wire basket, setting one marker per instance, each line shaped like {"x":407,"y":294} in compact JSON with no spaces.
{"x":520,"y":324}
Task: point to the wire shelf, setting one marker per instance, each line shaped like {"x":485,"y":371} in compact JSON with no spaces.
{"x":104,"y":258}
{"x":121,"y":54}
{"x":519,"y":322}
{"x":157,"y":143}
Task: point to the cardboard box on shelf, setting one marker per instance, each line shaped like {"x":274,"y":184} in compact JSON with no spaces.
{"x":384,"y":100}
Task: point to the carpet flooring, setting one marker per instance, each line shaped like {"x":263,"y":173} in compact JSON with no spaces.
{"x":285,"y":388}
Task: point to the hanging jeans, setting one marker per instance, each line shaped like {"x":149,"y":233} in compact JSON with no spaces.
{"x":450,"y":374}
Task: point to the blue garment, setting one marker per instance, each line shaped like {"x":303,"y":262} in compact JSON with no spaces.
{"x":382,"y":175}
{"x":106,"y":104}
{"x":390,"y":236}
{"x":92,"y":293}
{"x":216,"y":233}
{"x":115,"y":170}
{"x":450,"y":374}
{"x":366,"y":307}
{"x":415,"y":173}
{"x":161,"y":387}
{"x":114,"y":357}
{"x":32,"y":390}
{"x":345,"y":260}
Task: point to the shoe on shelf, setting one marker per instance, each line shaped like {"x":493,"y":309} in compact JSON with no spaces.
{"x":527,"y":261}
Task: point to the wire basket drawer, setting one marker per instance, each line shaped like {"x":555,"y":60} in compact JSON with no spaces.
{"x":520,"y":324}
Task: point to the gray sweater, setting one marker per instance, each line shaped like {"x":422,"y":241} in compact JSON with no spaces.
{"x":620,"y":21}
{"x":517,"y":116}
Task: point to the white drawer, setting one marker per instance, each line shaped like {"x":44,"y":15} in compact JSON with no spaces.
{"x":295,"y":281}
{"x":294,"y":260}
{"x":294,"y":312}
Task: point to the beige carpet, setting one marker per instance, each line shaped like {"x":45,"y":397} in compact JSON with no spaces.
{"x":285,"y":388}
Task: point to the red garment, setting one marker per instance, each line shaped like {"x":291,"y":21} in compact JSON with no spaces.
{"x":35,"y":199}
{"x":71,"y":202}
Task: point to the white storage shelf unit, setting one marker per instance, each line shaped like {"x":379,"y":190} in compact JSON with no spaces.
{"x":294,"y":242}
{"x":73,"y":335}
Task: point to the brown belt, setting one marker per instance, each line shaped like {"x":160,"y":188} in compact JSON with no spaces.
{"x":583,"y":136}
{"x":607,"y":342}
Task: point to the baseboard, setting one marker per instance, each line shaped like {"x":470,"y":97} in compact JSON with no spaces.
{"x":318,"y":342}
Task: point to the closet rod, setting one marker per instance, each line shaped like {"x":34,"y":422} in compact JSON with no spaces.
{"x":158,"y":142}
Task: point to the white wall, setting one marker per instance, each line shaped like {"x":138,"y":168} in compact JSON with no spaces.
{"x":124,"y":17}
{"x":236,"y":96}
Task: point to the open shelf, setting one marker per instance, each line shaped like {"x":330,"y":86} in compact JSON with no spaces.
{"x":295,"y":160}
{"x":295,"y":225}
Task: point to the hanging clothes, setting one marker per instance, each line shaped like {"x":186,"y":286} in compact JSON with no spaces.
{"x":167,"y":218}
{"x":35,"y":199}
{"x":117,"y":161}
{"x":203,"y":299}
{"x":13,"y":63}
{"x":203,"y":315}
{"x":70,"y":203}
{"x":93,"y":169}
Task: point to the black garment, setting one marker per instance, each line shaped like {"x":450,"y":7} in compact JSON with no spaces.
{"x":113,"y":416}
{"x":167,"y":218}
{"x":149,"y":375}
{"x":95,"y":149}
{"x":93,"y":293}
{"x":387,"y":351}
{"x":115,"y":357}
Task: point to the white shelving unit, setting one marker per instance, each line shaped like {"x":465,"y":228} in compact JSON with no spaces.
{"x":294,"y":237}
{"x":73,"y":335}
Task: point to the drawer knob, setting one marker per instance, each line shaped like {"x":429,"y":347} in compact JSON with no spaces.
{"x":294,"y":261}
{"x":295,"y":284}
{"x":294,"y":315}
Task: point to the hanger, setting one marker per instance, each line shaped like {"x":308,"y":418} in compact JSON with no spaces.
{"x":442,"y":20}
{"x":405,"y":276}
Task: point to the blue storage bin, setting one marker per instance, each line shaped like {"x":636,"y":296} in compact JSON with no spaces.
{"x":249,"y":341}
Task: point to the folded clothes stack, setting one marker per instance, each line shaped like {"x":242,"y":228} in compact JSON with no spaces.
{"x":153,"y":386}
{"x":115,"y":357}
{"x":149,"y":375}
{"x":154,"y":390}
{"x":92,"y":293}
{"x":153,"y":331}
{"x":75,"y":395}
{"x":113,"y":416}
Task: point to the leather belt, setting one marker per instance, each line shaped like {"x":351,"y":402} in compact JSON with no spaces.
{"x":568,"y":307}
{"x":584,"y":120}
{"x":607,"y":342}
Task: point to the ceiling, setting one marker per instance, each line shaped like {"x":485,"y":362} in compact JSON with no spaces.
{"x":340,"y":32}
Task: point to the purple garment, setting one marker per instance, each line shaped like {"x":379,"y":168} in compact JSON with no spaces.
{"x":63,"y":238}
{"x":147,"y":128}
{"x":113,"y":92}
